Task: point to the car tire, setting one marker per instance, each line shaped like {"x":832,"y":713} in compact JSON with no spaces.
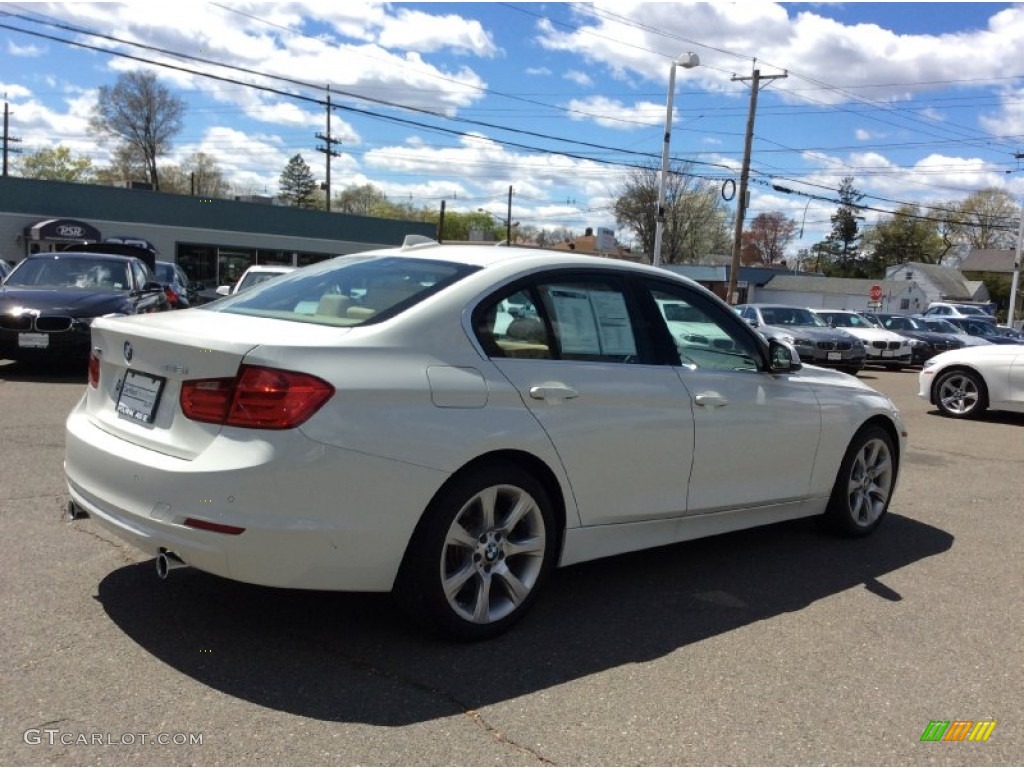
{"x":864,"y":485}
{"x":960,"y":394}
{"x":480,"y":554}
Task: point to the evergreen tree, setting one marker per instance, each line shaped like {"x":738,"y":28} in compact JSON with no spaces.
{"x":297,"y":186}
{"x":841,"y":247}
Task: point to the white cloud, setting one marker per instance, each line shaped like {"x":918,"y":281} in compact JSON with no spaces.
{"x":580,"y":78}
{"x":814,"y":49}
{"x":610,"y":113}
{"x":538,"y":71}
{"x":24,"y":51}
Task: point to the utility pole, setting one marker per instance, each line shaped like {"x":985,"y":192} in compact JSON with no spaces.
{"x":508,"y":221}
{"x":8,"y":139}
{"x":741,"y":199}
{"x":328,"y":148}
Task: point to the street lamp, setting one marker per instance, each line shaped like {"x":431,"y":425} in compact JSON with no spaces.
{"x":686,"y":61}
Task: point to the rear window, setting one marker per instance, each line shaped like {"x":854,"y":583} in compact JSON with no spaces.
{"x":346,"y":291}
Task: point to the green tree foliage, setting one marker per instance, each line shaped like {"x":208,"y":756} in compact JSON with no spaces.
{"x":908,"y":235}
{"x":57,"y":164}
{"x":986,"y":219}
{"x":363,"y":200}
{"x":696,"y":219}
{"x":143,"y":114}
{"x":126,"y":164}
{"x":838,"y":255}
{"x":766,"y":240}
{"x":297,"y":186}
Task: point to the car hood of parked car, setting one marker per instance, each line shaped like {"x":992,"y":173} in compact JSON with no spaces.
{"x":811,"y":332}
{"x":74,"y":301}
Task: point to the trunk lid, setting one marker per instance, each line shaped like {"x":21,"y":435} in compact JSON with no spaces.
{"x":145,"y":360}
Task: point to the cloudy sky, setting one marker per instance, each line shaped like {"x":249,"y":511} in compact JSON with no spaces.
{"x":918,"y":102}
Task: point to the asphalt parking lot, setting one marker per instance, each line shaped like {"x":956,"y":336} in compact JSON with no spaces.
{"x":779,"y":646}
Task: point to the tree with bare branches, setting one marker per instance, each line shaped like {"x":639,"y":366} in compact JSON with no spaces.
{"x":144,"y":114}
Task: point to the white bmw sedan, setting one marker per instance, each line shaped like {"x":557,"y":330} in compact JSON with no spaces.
{"x":453,"y":422}
{"x":963,"y":383}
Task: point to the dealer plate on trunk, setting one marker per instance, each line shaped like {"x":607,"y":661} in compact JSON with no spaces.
{"x":140,"y":395}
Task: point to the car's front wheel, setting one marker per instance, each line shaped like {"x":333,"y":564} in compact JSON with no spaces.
{"x":480,"y":554}
{"x":960,"y":394}
{"x":864,"y":485}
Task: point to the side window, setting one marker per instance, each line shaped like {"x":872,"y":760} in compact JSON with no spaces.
{"x":704,"y":335}
{"x":139,"y":275}
{"x":511,"y":327}
{"x":573,"y":319}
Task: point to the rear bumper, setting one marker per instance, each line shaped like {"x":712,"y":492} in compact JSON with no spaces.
{"x":315,"y":517}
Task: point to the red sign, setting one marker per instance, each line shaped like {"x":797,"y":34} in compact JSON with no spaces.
{"x":875,"y":292}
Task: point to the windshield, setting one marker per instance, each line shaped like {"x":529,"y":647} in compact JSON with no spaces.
{"x":790,"y":316}
{"x":70,"y":272}
{"x":942,"y":326}
{"x":346,"y":291}
{"x":901,"y":323}
{"x":255,"y":278}
{"x":841,"y":320}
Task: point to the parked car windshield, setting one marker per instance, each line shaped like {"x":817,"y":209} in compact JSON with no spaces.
{"x":840,"y":320}
{"x":70,"y":272}
{"x":346,"y":291}
{"x":942,"y":326}
{"x":790,"y":316}
{"x":902,"y":323}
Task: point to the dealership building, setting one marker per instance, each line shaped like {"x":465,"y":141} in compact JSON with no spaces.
{"x":214,"y":240}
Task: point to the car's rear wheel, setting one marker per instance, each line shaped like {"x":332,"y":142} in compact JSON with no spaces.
{"x":480,"y":554}
{"x":960,"y":394}
{"x":864,"y":485}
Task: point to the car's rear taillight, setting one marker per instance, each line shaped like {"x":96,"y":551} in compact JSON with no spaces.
{"x":172,"y":295}
{"x":257,"y":398}
{"x":94,"y":369}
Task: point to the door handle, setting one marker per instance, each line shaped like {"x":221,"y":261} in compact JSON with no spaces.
{"x":553,"y":391}
{"x":711,"y":400}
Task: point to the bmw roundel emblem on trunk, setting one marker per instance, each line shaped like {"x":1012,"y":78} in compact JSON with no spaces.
{"x":128,"y":352}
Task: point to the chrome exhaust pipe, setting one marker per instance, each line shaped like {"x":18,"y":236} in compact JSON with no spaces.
{"x":73,"y":513}
{"x":167,"y":562}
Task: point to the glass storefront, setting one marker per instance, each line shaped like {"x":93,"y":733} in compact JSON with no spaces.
{"x":213,"y":265}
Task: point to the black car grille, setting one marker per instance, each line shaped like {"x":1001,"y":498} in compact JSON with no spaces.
{"x":886,"y":344}
{"x":16,"y":322}
{"x":54,"y":323}
{"x":842,"y":346}
{"x":44,"y":323}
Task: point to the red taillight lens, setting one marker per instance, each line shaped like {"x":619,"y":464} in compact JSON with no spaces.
{"x":94,"y":370}
{"x":258,"y":398}
{"x":207,"y":399}
{"x":172,"y":295}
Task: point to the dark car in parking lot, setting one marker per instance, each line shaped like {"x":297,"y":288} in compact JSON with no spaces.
{"x":180,"y":293}
{"x":931,"y":343}
{"x":813,"y":339}
{"x":982,"y":329}
{"x":49,"y":301}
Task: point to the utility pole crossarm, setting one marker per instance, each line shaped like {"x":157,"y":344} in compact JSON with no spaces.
{"x":741,"y":198}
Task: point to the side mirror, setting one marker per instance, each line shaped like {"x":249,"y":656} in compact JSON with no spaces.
{"x":223,"y":290}
{"x":783,"y":358}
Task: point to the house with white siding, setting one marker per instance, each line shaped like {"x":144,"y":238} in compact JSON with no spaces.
{"x":903,"y":297}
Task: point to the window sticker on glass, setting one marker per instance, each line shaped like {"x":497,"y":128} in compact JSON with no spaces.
{"x":592,"y":322}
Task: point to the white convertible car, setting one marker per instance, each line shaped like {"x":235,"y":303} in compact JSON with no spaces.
{"x":452,"y":422}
